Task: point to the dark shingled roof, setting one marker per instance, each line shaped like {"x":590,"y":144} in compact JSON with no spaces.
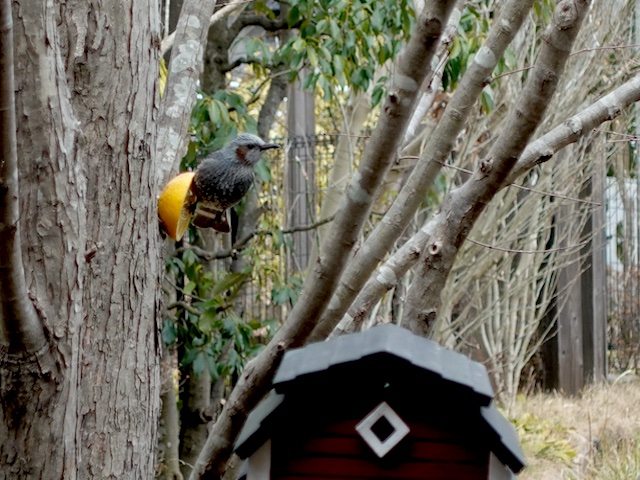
{"x":425,"y":354}
{"x":330,"y":361}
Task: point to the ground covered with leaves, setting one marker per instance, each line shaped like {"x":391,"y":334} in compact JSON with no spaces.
{"x":593,"y":436}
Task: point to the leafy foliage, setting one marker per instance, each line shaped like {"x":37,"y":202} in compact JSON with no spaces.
{"x":341,"y":42}
{"x":216,"y":119}
{"x":210,"y":336}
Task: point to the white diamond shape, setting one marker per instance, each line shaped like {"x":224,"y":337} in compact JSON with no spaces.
{"x":381,"y":448}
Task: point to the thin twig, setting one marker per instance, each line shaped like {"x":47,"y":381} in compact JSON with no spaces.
{"x":182,"y":291}
{"x":512,"y":72}
{"x":584,"y":50}
{"x":521,"y":187}
{"x":310,"y":226}
{"x":184,"y":305}
{"x":510,"y":250}
{"x":237,"y":247}
{"x":621,"y":134}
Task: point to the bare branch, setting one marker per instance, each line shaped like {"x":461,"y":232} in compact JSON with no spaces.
{"x":180,"y":91}
{"x":528,"y":189}
{"x":322,"y":280}
{"x":309,"y":226}
{"x":440,"y":144}
{"x":20,"y":328}
{"x":238,"y":246}
{"x":576,"y":127}
{"x":462,"y":207}
{"x":387,"y":275}
{"x":185,"y":306}
{"x":514,"y":250}
{"x":269,"y":24}
{"x":215,"y":19}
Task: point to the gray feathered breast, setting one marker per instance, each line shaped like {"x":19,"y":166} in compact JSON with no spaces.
{"x":220,"y":182}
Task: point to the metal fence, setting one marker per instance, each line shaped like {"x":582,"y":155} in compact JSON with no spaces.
{"x":300,"y":172}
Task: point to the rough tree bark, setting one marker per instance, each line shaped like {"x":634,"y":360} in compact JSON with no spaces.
{"x":85,"y":83}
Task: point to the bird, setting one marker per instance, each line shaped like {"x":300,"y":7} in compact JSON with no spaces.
{"x":223,"y":178}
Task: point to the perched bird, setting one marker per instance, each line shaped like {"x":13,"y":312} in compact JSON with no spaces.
{"x":223,"y":178}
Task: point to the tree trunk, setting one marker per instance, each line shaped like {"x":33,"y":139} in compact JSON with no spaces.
{"x":195,"y":398}
{"x":85,"y":83}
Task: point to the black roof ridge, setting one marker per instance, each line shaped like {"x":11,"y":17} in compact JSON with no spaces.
{"x":397,"y":341}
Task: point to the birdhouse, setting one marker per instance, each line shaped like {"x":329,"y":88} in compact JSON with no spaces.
{"x":382,"y":404}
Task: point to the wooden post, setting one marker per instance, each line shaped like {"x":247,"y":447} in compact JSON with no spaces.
{"x":576,"y":355}
{"x":570,"y":338}
{"x":300,"y":173}
{"x":594,"y":284}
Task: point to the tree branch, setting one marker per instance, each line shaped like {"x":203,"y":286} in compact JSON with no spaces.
{"x":214,"y":20}
{"x":230,"y":252}
{"x":438,"y":148}
{"x":540,"y":150}
{"x":462,"y":207}
{"x":576,"y":127}
{"x":180,"y":92}
{"x":322,"y":280}
{"x":269,"y":24}
{"x":20,"y":328}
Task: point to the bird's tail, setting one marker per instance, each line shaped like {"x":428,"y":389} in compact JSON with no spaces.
{"x":207,"y":218}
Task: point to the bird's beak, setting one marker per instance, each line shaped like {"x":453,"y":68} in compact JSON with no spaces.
{"x":269,"y":146}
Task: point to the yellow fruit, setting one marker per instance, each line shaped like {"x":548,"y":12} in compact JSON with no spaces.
{"x":174,"y":203}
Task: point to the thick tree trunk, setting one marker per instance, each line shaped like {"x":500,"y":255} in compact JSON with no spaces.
{"x":85,"y":83}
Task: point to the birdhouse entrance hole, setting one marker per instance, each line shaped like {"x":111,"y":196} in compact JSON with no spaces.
{"x":382,"y":429}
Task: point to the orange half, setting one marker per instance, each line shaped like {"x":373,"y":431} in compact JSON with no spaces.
{"x":174,"y":203}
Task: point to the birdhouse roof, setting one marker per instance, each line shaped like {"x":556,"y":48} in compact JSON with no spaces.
{"x":381,"y":352}
{"x":427,"y":356}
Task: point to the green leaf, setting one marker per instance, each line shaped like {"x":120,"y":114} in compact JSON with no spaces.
{"x":263,"y":171}
{"x":456,"y":48}
{"x":487,"y":99}
{"x":189,"y":356}
{"x":312,"y":56}
{"x":189,"y":287}
{"x":376,"y":95}
{"x":308,"y":31}
{"x":228,"y":281}
{"x":294,"y":15}
{"x":322,"y":26}
{"x":207,"y":321}
{"x":169,"y":333}
{"x":335,"y":30}
{"x":299,"y":45}
{"x":200,"y":364}
{"x":213,"y":108}
{"x":213,"y":367}
{"x":325,"y":86}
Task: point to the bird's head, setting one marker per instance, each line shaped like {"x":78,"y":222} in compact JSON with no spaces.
{"x":249,"y":148}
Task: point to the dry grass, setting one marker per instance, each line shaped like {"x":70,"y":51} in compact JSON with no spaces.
{"x":592,"y":437}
